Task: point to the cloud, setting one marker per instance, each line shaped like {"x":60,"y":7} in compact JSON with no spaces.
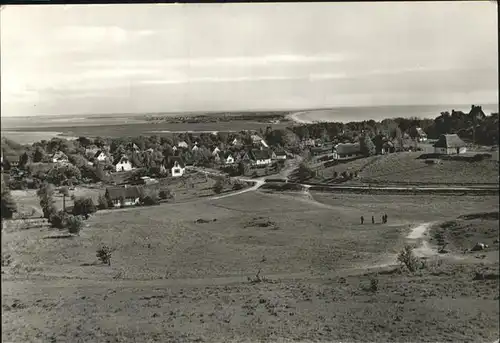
{"x":93,"y":34}
{"x":223,"y":61}
{"x":216,"y":79}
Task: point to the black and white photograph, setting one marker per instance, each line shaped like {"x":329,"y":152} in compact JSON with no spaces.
{"x":250,"y":172}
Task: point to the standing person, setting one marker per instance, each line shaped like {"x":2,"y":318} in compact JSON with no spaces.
{"x":362,"y":219}
{"x":385,"y":215}
{"x":383,"y":218}
{"x":373,"y":220}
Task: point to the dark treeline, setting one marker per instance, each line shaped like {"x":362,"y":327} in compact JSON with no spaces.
{"x":455,"y":122}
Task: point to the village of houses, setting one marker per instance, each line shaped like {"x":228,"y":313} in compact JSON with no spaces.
{"x":257,"y":159}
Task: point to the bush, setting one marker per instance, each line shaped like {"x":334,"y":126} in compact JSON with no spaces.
{"x":104,"y":254}
{"x":102,"y":202}
{"x":46,"y":196}
{"x":74,"y":224}
{"x":407,"y":258}
{"x":9,"y":206}
{"x":304,"y":172}
{"x":84,"y":206}
{"x":58,"y":219}
{"x":238,"y":185}
{"x":165,"y":194}
{"x":149,"y":198}
{"x":219,"y":186}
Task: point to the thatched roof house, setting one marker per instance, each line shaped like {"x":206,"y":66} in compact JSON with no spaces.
{"x":348,"y":148}
{"x":114,"y":193}
{"x":449,"y":141}
{"x":449,"y":144}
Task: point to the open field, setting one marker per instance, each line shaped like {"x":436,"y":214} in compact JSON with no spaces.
{"x":194,"y":186}
{"x":407,"y":168}
{"x":27,"y":200}
{"x":173,"y":279}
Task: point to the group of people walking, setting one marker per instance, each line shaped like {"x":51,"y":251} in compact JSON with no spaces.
{"x":384,"y":219}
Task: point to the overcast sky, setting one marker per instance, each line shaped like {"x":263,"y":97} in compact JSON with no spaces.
{"x":195,"y":57}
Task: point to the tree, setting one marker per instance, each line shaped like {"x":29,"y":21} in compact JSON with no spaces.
{"x":219,"y":186}
{"x":84,"y":206}
{"x":38,"y":155}
{"x":243,"y":168}
{"x":367,"y":147}
{"x":8,"y":207}
{"x":23,"y":160}
{"x":102,"y":202}
{"x":304,"y":172}
{"x":84,"y":141}
{"x":46,"y":196}
{"x":99,"y":172}
{"x":74,"y":224}
{"x":57,"y":219}
{"x":65,"y":193}
{"x":149,"y":198}
{"x":6,"y":164}
{"x":63,"y":174}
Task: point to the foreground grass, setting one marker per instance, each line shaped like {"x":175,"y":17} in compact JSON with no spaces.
{"x":52,"y":291}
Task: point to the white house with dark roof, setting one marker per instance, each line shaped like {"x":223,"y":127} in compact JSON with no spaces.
{"x":101,"y":156}
{"x":225,"y":158}
{"x":450,"y":144}
{"x":174,"y":164}
{"x":60,"y":157}
{"x":421,"y":135}
{"x":215,"y":151}
{"x":123,"y":164}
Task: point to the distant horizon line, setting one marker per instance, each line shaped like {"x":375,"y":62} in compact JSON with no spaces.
{"x":243,"y":110}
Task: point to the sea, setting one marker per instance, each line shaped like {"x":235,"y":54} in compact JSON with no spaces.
{"x":378,"y":113}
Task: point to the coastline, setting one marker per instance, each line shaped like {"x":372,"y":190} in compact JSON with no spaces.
{"x":379,"y":113}
{"x":30,"y":137}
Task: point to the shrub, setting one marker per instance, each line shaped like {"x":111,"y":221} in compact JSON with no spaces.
{"x":238,"y":185}
{"x":304,"y":172}
{"x":46,"y":196}
{"x":219,"y":186}
{"x":57,"y":219}
{"x":104,"y":254}
{"x":408,"y":259}
{"x":150,"y":197}
{"x":74,"y":224}
{"x":102,"y":202}
{"x":84,"y":206}
{"x":8,"y":205}
{"x":165,"y":194}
